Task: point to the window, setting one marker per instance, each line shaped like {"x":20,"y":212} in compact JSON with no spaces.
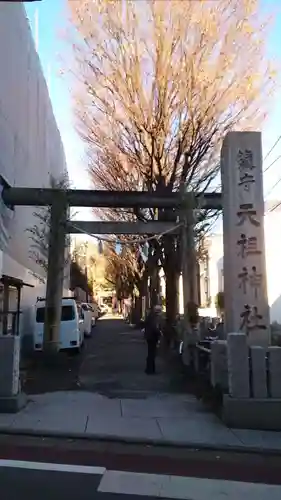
{"x":40,"y":314}
{"x":67,"y":314}
{"x":80,"y":312}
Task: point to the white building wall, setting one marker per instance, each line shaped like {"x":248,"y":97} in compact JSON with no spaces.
{"x":272,"y":228}
{"x":273,"y":259}
{"x":30,"y":143}
{"x":215,"y":249}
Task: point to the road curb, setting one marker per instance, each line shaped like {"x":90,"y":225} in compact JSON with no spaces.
{"x":161,"y":443}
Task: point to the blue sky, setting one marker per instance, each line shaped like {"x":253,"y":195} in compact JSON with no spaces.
{"x":51,"y":16}
{"x":51,"y":46}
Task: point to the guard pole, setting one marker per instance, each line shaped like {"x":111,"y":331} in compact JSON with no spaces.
{"x":55,"y":273}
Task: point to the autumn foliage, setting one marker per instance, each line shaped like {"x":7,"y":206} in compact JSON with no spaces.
{"x":123,"y":270}
{"x":159,"y":84}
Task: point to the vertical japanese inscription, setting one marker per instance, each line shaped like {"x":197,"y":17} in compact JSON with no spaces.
{"x":246,"y":305}
{"x":251,"y":319}
{"x":246,"y":166}
{"x":249,"y":278}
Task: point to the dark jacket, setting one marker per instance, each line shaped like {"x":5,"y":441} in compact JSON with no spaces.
{"x":152,"y":327}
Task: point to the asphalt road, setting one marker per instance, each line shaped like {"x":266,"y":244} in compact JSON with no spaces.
{"x":112,"y":363}
{"x":112,"y":477}
{"x":33,"y":484}
{"x":24,"y":484}
{"x":255,"y":468}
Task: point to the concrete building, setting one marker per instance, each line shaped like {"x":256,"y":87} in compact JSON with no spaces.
{"x":211,"y":276}
{"x":31,"y":152}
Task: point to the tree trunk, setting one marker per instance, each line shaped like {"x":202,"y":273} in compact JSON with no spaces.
{"x":154,"y":287}
{"x":143,"y":292}
{"x":171,"y":269}
{"x":137,"y":311}
{"x":172,"y":299}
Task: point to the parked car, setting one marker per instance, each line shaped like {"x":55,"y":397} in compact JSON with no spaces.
{"x":87,"y":316}
{"x":104,"y":309}
{"x":95,"y":312}
{"x":71,"y":334}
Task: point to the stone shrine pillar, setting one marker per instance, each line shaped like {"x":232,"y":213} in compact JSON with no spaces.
{"x":245,"y":287}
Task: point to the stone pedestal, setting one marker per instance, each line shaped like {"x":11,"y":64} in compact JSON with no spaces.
{"x":274,"y":354}
{"x":190,"y":339}
{"x":13,"y":404}
{"x":256,"y":414}
{"x":219,"y":371}
{"x":259,"y":378}
{"x":238,"y":365}
{"x":245,"y":287}
{"x":11,"y":397}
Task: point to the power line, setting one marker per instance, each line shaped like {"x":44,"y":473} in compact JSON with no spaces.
{"x":275,"y":207}
{"x":272,"y":163}
{"x":132,"y":241}
{"x":273,"y":147}
{"x":269,"y":166}
{"x":274,"y":186}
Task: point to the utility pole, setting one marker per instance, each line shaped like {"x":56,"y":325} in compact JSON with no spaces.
{"x":55,"y":273}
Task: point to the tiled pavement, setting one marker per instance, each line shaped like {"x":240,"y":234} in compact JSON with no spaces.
{"x":115,"y":399}
{"x":176,"y":419}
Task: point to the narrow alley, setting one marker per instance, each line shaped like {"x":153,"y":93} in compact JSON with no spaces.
{"x":114,"y":361}
{"x":111,"y":363}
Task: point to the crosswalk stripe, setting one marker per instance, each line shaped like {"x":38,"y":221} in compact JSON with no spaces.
{"x":80,"y":469}
{"x":184,"y":488}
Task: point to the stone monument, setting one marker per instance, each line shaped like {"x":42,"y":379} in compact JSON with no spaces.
{"x":245,"y":287}
{"x":12,"y":399}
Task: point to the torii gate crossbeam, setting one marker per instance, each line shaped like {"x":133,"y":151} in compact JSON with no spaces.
{"x":13,"y":196}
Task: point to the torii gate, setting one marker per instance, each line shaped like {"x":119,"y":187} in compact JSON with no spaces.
{"x":60,"y":200}
{"x":243,"y":209}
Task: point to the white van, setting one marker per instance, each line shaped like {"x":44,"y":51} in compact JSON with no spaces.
{"x":87,"y":315}
{"x":95,"y":308}
{"x":71,"y":327}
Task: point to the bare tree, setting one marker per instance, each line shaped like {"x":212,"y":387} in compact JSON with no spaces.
{"x":159,"y":86}
{"x":124,"y":269}
{"x":92,"y":264}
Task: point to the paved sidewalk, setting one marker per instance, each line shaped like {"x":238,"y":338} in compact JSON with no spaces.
{"x":106,"y":394}
{"x":177,"y":420}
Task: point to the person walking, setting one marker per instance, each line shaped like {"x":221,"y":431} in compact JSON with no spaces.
{"x":152,"y":331}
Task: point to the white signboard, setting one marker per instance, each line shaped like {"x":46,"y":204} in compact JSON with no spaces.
{"x":246,"y":304}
